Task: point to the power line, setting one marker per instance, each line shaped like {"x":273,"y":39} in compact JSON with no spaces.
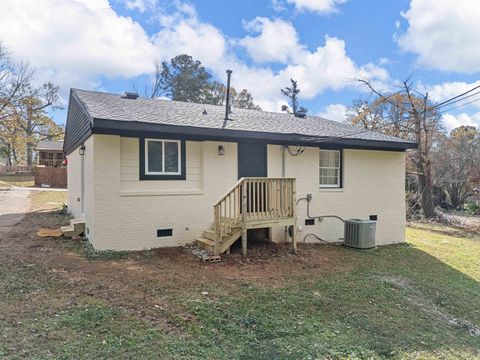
{"x":461,"y":105}
{"x":457,"y":100}
{"x":455,"y":97}
{"x":395,"y":122}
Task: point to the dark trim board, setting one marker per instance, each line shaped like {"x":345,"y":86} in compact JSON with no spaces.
{"x":78,"y":127}
{"x":139,"y":129}
{"x":183,"y":170}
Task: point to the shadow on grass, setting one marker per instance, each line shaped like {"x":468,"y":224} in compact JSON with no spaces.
{"x":398,"y":302}
{"x":447,"y":229}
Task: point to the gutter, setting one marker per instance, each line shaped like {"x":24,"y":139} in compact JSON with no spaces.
{"x":140,"y":129}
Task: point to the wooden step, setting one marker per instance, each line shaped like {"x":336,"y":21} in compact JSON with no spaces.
{"x":205,"y":244}
{"x":79,"y":225}
{"x":68,"y":230}
{"x":209,"y":234}
{"x":230,"y":239}
{"x":75,"y":228}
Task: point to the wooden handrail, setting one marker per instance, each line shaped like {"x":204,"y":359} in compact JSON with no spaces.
{"x":253,"y":200}
{"x":247,"y":178}
{"x":229,"y":191}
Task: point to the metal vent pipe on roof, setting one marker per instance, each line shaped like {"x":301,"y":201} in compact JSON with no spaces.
{"x":227,"y":101}
{"x":131,"y":95}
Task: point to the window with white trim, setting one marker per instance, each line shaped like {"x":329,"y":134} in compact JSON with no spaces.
{"x":163,"y":157}
{"x":330,"y":168}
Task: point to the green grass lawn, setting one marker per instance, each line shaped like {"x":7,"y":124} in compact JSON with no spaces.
{"x":416,"y":300}
{"x":18,"y":180}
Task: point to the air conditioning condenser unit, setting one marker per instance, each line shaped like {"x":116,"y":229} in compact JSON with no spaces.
{"x":359,"y":234}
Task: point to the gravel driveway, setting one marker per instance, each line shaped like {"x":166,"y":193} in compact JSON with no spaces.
{"x":13,"y":205}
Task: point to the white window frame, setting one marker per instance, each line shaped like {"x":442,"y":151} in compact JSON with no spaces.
{"x":339,"y":168}
{"x":179,"y":145}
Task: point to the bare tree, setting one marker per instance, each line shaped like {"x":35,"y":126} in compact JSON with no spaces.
{"x":155,"y":90}
{"x":15,"y":80}
{"x":411,"y":116}
{"x":23,"y":117}
{"x":35,"y":122}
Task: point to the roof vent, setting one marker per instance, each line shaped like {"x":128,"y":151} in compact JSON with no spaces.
{"x":204,"y":112}
{"x":130,"y":95}
{"x":300,"y":114}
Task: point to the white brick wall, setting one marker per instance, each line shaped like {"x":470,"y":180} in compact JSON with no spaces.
{"x":373,"y":184}
{"x":128,"y":212}
{"x":74,"y":183}
{"x":123,"y":213}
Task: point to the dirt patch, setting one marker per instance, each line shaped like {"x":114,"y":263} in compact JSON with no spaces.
{"x":138,"y":283}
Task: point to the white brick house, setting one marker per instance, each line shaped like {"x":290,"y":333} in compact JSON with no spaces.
{"x":147,"y":173}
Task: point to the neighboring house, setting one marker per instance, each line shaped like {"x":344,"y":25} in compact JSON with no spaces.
{"x":148,"y":173}
{"x":50,"y":152}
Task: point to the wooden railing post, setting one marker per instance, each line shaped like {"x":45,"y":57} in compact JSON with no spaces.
{"x":244,"y":217}
{"x":294,"y":215}
{"x":217,"y":227}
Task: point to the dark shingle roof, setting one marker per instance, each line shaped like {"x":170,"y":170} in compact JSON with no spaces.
{"x":53,"y":145}
{"x":165,"y":112}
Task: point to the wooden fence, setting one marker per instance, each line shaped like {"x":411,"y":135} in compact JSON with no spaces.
{"x":16,"y":169}
{"x":55,"y":177}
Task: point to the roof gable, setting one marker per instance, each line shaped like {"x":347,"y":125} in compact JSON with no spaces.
{"x":52,"y":145}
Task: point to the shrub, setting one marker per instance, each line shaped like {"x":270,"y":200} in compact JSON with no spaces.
{"x":473,"y":208}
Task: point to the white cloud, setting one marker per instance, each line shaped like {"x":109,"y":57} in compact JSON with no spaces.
{"x":318,"y":6}
{"x":140,"y":5}
{"x":277,"y":41}
{"x":337,"y":112}
{"x":444,"y":33}
{"x":453,"y":121}
{"x":447,"y":90}
{"x":100,"y":43}
{"x":74,"y":42}
{"x":384,"y":61}
{"x":328,"y":67}
{"x":189,"y":36}
{"x":278,"y":5}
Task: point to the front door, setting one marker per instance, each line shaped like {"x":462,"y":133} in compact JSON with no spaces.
{"x":252,"y":159}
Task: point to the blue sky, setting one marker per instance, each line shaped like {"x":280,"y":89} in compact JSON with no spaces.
{"x":324,"y":44}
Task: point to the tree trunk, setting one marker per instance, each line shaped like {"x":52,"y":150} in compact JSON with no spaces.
{"x":9,"y":155}
{"x":29,"y":134}
{"x":14,"y":155}
{"x":423,"y":169}
{"x":29,"y":153}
